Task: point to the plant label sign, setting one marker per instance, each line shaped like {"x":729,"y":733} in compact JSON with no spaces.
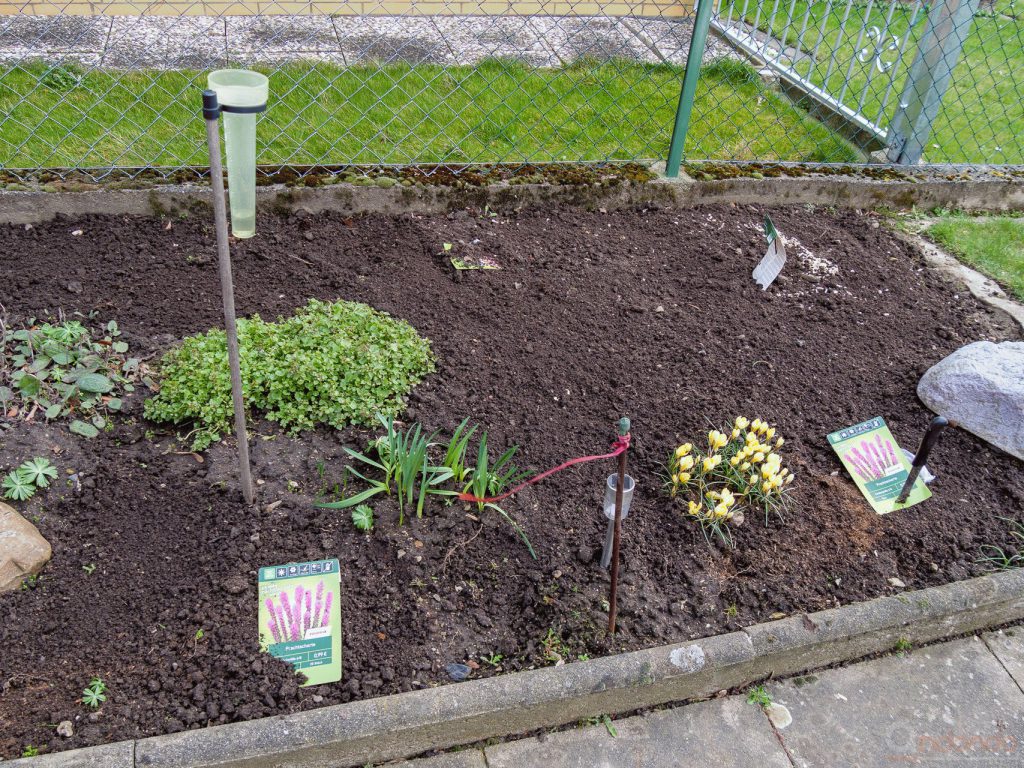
{"x":300,"y":617}
{"x":877,"y":465}
{"x":470,"y":262}
{"x":774,"y":258}
{"x":474,"y":262}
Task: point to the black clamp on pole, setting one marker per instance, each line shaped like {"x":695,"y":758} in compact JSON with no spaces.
{"x":212,"y":110}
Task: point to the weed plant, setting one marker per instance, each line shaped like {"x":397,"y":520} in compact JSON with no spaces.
{"x":55,"y":370}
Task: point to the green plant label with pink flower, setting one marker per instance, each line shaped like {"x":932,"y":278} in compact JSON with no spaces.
{"x":877,"y":465}
{"x":300,"y":617}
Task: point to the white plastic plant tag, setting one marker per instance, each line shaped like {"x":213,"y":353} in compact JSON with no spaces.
{"x":774,"y":258}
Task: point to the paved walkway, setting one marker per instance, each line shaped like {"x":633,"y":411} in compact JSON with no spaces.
{"x":959,"y":703}
{"x":204,"y":42}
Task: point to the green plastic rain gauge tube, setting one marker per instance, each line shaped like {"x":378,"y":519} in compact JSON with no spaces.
{"x":241,"y":95}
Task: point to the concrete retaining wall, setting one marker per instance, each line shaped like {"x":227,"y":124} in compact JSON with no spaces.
{"x":983,"y":194}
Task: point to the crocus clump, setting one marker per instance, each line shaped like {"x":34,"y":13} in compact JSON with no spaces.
{"x":740,"y":468}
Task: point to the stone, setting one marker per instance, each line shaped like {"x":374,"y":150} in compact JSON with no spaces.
{"x":23,"y":550}
{"x":65,"y":729}
{"x":981,"y":387}
{"x":457,"y":672}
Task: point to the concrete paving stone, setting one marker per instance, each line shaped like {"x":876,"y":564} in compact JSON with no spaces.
{"x":276,"y":34}
{"x":1008,"y":647}
{"x":54,"y":33}
{"x":598,"y":38}
{"x":464,"y":758}
{"x":382,"y":39}
{"x":272,"y":58}
{"x":668,"y":41}
{"x":950,"y":704}
{"x":165,"y":42}
{"x":513,"y":37}
{"x":718,"y":732}
{"x":54,"y":58}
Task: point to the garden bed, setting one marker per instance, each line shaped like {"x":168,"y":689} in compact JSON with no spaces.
{"x":650,"y":314}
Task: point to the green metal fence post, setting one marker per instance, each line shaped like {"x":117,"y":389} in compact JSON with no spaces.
{"x":698,"y":39}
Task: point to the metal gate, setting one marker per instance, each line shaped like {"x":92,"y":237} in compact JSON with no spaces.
{"x":875,"y":72}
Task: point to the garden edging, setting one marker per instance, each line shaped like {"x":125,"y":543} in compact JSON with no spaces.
{"x":981,"y":194}
{"x":406,"y":724}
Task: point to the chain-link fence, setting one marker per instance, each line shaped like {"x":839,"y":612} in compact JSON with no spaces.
{"x":363,"y":83}
{"x":99,"y":87}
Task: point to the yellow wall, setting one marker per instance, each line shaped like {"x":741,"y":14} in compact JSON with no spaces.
{"x":383,"y":7}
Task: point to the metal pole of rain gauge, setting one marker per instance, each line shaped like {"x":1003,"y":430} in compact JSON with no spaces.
{"x":211,"y":113}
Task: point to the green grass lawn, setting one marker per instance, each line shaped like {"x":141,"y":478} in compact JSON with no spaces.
{"x":982,"y":115}
{"x":994,"y":246}
{"x":498,"y":110}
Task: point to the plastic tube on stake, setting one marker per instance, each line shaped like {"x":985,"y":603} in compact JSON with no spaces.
{"x":610,"y":492}
{"x":242,"y":94}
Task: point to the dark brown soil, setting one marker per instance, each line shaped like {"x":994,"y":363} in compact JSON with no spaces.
{"x":651,"y":314}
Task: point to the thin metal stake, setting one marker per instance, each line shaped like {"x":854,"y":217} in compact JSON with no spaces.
{"x":620,"y":486}
{"x":227,"y":289}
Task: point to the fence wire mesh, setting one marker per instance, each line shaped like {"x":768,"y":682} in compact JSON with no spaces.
{"x":94,"y":88}
{"x":391,"y":83}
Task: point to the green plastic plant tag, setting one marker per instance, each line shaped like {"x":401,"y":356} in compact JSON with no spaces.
{"x":474,"y":262}
{"x":300,"y":617}
{"x":774,"y":258}
{"x":877,"y":465}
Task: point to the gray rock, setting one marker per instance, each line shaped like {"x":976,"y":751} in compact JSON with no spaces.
{"x":981,"y":387}
{"x":65,"y":729}
{"x":23,"y":550}
{"x":458,"y":672}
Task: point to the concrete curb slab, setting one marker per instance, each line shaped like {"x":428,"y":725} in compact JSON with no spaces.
{"x":403,"y":725}
{"x":118,"y":755}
